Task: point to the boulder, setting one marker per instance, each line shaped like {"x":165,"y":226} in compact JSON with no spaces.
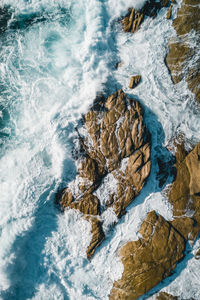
{"x":116,"y":147}
{"x":150,"y":259}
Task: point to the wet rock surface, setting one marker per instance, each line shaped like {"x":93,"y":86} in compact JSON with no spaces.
{"x":150,"y":259}
{"x":134,"y":81}
{"x":115,"y":161}
{"x":185,"y":193}
{"x":166,"y":296}
{"x":134,"y":18}
{"x":183,"y":56}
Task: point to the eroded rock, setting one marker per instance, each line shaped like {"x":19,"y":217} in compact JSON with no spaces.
{"x":150,"y":259}
{"x":116,"y":148}
{"x":182,"y":59}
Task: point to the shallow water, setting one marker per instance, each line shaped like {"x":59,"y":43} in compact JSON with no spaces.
{"x":56,"y":56}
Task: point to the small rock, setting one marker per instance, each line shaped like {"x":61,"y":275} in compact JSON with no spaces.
{"x":134,"y":81}
{"x":197,"y":254}
{"x":169,"y":13}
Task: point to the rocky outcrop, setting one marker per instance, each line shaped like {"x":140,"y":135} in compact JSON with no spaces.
{"x":134,"y":18}
{"x":185,"y":193}
{"x":115,"y":161}
{"x":134,"y":81}
{"x":183,"y":59}
{"x":150,"y":259}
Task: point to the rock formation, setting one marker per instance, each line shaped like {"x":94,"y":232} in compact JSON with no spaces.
{"x":150,"y":259}
{"x":116,"y":152}
{"x":185,"y":193}
{"x":183,"y":59}
{"x":134,"y":81}
{"x":134,"y":18}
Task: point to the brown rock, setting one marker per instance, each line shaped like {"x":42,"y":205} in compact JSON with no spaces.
{"x":97,"y":235}
{"x":169,"y":13}
{"x":180,"y":56}
{"x":148,"y":260}
{"x":133,"y":20}
{"x":166,"y":296}
{"x":197,"y":254}
{"x":115,"y":132}
{"x":134,"y":81}
{"x":185,"y":194}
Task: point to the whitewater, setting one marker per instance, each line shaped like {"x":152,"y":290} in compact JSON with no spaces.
{"x":55,"y":58}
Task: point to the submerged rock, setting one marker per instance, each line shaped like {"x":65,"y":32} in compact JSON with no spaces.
{"x":115,"y":164}
{"x":150,"y":259}
{"x":182,"y":58}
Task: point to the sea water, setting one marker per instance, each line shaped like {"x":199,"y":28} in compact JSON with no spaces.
{"x":55,"y":57}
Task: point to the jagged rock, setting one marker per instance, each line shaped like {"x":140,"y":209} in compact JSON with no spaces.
{"x":185,"y":193}
{"x":134,"y":18}
{"x":116,"y":144}
{"x":197,"y":254}
{"x":180,"y":56}
{"x":169,"y":13}
{"x":166,"y":296}
{"x":148,"y":260}
{"x":97,"y":235}
{"x":134,"y":81}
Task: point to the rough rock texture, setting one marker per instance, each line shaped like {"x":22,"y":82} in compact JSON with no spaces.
{"x":150,"y":259}
{"x":166,"y":296}
{"x":116,"y":146}
{"x":185,"y":193}
{"x":183,"y":58}
{"x":197,"y":254}
{"x":134,"y":81}
{"x":134,"y":18}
